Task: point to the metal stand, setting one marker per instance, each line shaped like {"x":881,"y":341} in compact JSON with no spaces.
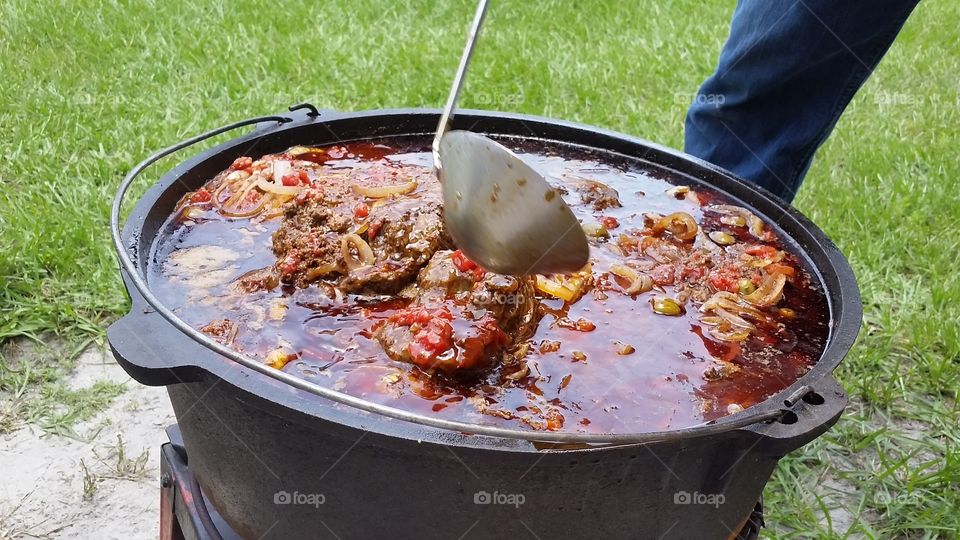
{"x":184,"y":512}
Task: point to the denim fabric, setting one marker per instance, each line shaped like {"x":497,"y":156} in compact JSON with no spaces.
{"x":785,"y":74}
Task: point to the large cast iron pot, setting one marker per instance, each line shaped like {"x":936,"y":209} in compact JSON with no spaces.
{"x":282,"y":458}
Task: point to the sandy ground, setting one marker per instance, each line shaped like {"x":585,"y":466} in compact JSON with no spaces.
{"x":42,"y":492}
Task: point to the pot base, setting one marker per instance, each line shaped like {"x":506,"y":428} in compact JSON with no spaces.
{"x":185,"y":512}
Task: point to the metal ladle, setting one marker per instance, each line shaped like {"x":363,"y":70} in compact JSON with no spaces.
{"x":500,"y":212}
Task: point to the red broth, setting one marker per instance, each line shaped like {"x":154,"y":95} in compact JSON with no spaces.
{"x":605,"y":363}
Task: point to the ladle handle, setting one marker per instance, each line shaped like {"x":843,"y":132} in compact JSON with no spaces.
{"x":458,"y":81}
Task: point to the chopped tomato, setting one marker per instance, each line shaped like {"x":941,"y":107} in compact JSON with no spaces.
{"x":609,"y":222}
{"x":764,"y":252}
{"x":420,"y":315}
{"x":361,"y":210}
{"x":555,"y":420}
{"x":241,"y":163}
{"x":580,"y":325}
{"x":290,"y":179}
{"x":305,"y":195}
{"x":374,"y":229}
{"x":627,"y":242}
{"x":663,"y":274}
{"x":777,"y":268}
{"x":289,"y":265}
{"x":201,"y":196}
{"x":433,"y":335}
{"x":692,"y":272}
{"x":252,"y":197}
{"x":434,"y":339}
{"x":465,"y":265}
{"x":725,"y":278}
{"x":304,"y":177}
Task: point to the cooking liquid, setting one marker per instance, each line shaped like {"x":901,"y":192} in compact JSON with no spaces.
{"x":666,"y":383}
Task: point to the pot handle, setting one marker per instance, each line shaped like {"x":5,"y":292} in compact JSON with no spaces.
{"x":806,"y":414}
{"x":141,"y":343}
{"x":148,"y":362}
{"x":137,"y":339}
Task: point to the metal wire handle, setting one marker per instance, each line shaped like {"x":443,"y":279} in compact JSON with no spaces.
{"x":729,"y":423}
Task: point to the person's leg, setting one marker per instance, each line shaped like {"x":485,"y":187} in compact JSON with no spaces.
{"x":786,"y":73}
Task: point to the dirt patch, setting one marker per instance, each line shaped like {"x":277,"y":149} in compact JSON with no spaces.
{"x":96,"y":486}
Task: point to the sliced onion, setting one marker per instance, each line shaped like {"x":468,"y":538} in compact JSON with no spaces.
{"x":246,"y":213}
{"x":365,"y":254}
{"x":279,"y":357}
{"x":381,"y":192}
{"x":566,"y":289}
{"x":760,"y":262}
{"x":769,"y":292}
{"x":728,"y":334}
{"x":554,"y":288}
{"x":756,"y":226}
{"x":278,"y":188}
{"x":733,"y":221}
{"x":595,"y":230}
{"x":703,"y":241}
{"x":714,"y":300}
{"x":321,"y":271}
{"x":711,"y":320}
{"x":280,"y":169}
{"x":732,"y":303}
{"x":300,"y":150}
{"x":615,"y":249}
{"x":520,"y":373}
{"x":638,"y":282}
{"x":680,"y":224}
{"x":236,"y":197}
{"x":755,"y":223}
{"x":734,"y":320}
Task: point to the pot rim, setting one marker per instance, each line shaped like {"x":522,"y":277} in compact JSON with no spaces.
{"x":842,"y":332}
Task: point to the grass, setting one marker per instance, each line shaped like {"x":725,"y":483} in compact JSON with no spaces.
{"x":89,"y":88}
{"x":115,"y":465}
{"x":34,"y":380}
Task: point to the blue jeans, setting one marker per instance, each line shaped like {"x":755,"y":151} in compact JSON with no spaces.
{"x":786,"y":73}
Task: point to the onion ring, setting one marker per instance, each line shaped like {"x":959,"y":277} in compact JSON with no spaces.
{"x":279,"y":189}
{"x":381,"y":192}
{"x":769,"y":292}
{"x":680,"y":224}
{"x":638,"y":282}
{"x":364,"y":253}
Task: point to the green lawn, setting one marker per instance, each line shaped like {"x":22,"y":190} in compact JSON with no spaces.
{"x":89,"y":88}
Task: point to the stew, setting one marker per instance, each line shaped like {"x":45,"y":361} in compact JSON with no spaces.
{"x":333,"y":263}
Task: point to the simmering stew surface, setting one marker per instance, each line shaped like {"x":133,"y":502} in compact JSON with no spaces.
{"x":332,"y":263}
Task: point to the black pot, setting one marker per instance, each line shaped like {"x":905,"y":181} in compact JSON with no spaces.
{"x":279,"y":461}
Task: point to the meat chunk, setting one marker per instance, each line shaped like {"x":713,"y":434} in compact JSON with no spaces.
{"x":368,"y":245}
{"x":407,"y":233}
{"x":598,"y":195}
{"x":461,"y":319}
